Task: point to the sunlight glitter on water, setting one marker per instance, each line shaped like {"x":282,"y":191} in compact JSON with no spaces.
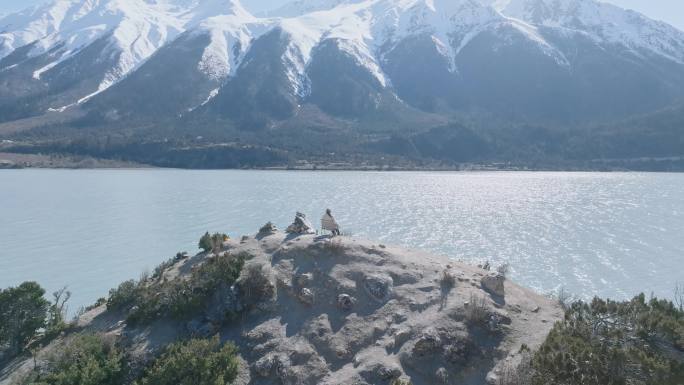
{"x":608,"y":234}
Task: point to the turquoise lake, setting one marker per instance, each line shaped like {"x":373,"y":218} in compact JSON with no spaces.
{"x":607,"y":234}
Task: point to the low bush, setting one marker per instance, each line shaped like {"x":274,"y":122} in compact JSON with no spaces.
{"x":476,"y":312}
{"x":193,"y":362}
{"x":256,"y":285}
{"x":213,"y":242}
{"x":57,"y":313}
{"x":614,"y":343}
{"x":125,"y":295}
{"x":86,"y":359}
{"x":447,"y":280}
{"x":179,"y":298}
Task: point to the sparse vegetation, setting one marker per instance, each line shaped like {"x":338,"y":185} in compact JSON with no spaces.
{"x":256,"y":285}
{"x":476,"y":312}
{"x":146,"y":300}
{"x":447,"y":280}
{"x":335,"y":246}
{"x":197,"y":361}
{"x":85,"y":359}
{"x":269,"y":227}
{"x":520,"y":374}
{"x":564,"y":298}
{"x":56,"y":320}
{"x":606,"y":342}
{"x":100,"y":301}
{"x":212,"y":242}
{"x":504,"y":269}
{"x":162,"y":267}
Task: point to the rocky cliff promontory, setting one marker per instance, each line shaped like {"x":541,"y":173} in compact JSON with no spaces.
{"x":310,"y":309}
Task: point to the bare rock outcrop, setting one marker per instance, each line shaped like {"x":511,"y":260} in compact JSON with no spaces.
{"x":305,"y":311}
{"x":494,"y":284}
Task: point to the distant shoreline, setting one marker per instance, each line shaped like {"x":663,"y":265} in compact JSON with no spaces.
{"x":11,"y":160}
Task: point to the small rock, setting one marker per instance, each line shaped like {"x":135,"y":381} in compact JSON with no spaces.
{"x":494,"y":284}
{"x":303,"y":279}
{"x":345,"y":302}
{"x":306,"y":296}
{"x":301,"y":225}
{"x":493,"y":323}
{"x":442,"y":375}
{"x":267,"y":365}
{"x":379,"y":287}
{"x":536,"y":309}
{"x":389,"y":371}
{"x":427,"y":343}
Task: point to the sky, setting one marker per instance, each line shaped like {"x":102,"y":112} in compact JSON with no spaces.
{"x":671,"y":11}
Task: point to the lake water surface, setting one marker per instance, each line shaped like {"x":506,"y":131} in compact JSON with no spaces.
{"x":608,"y":234}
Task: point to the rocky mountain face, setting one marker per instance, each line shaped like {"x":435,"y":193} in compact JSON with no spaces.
{"x":558,"y":63}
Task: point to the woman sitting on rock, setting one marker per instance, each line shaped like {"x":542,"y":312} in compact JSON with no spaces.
{"x":329,"y":223}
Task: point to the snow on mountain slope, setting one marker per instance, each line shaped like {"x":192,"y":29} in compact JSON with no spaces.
{"x":365,"y":29}
{"x":302,"y":7}
{"x":231,"y":29}
{"x":603,"y":22}
{"x":135,"y":30}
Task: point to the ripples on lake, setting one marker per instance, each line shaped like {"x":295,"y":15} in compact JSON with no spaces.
{"x":608,"y":234}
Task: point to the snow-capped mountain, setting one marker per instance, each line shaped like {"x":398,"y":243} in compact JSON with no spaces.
{"x":134,"y":31}
{"x":602,"y":22}
{"x":533,"y":60}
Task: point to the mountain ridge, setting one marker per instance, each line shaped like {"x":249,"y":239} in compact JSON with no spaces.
{"x":364,"y":63}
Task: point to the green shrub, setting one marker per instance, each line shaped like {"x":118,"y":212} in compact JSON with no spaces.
{"x":124,"y":296}
{"x":256,"y":285}
{"x":212,"y":242}
{"x":23,"y":311}
{"x":182,"y":297}
{"x":56,"y":319}
{"x":194,"y":362}
{"x":614,"y":343}
{"x":86,"y":359}
{"x":205,"y":242}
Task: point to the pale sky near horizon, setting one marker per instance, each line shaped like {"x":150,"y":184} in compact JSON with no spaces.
{"x":671,"y":11}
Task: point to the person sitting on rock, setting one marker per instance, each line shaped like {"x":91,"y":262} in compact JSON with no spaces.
{"x":329,"y":223}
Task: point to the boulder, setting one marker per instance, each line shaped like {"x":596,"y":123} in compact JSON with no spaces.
{"x":345,"y":302}
{"x":389,"y":371}
{"x":428,"y":343}
{"x":494,"y":284}
{"x":379,"y":287}
{"x":301,"y":225}
{"x":306,"y":296}
{"x":271,"y":364}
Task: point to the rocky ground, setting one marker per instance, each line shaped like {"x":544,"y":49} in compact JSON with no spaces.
{"x":349,"y":311}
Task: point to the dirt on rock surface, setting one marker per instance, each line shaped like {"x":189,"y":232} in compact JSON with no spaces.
{"x":348,"y":311}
